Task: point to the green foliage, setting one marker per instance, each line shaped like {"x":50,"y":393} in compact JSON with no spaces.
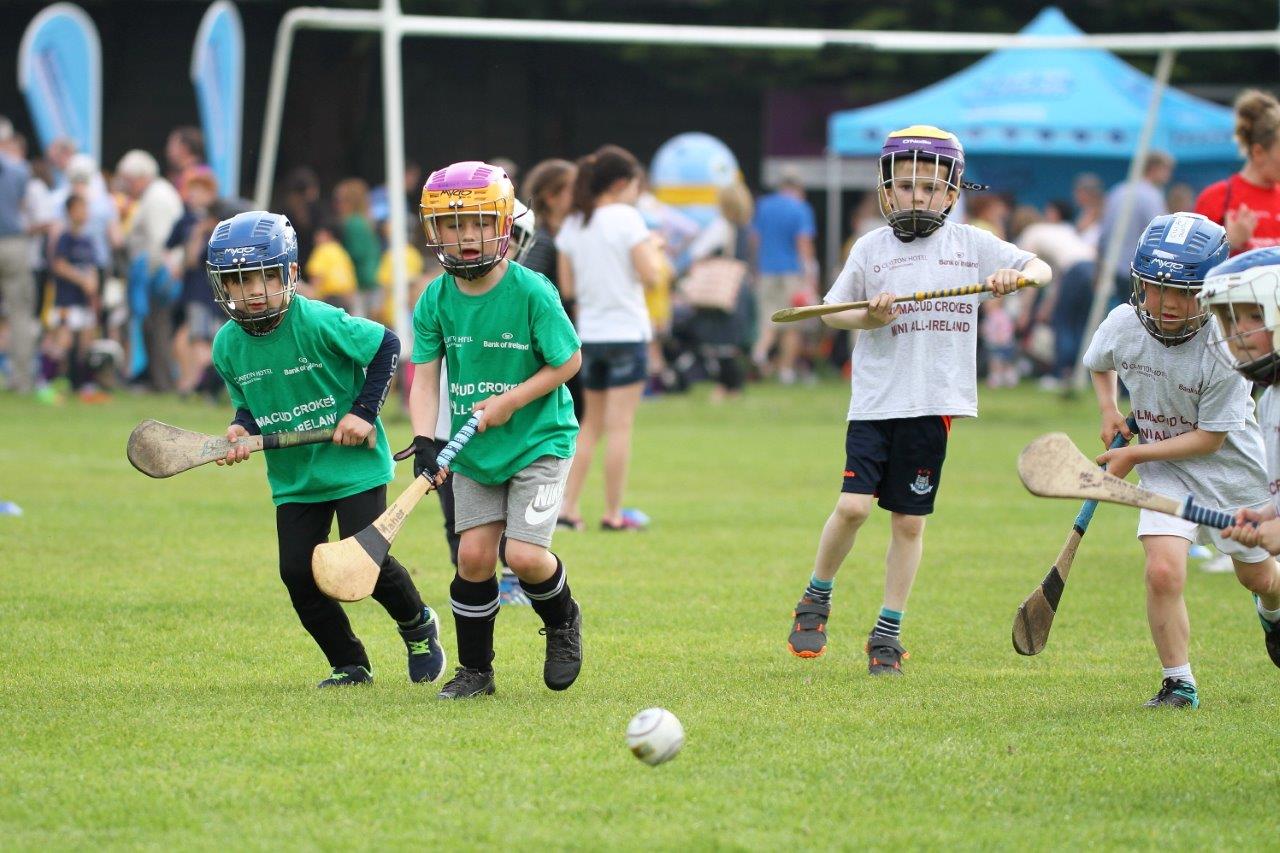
{"x":158,"y":691}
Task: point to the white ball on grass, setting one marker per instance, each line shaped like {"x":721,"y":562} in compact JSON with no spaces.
{"x":655,"y":735}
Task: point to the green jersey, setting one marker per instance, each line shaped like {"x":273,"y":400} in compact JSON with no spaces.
{"x":491,"y":343}
{"x":305,"y":374}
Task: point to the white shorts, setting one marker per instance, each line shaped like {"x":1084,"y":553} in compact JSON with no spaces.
{"x":74,"y":317}
{"x":1152,"y":523}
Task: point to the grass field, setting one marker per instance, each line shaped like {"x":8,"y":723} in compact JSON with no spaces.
{"x":158,"y":690}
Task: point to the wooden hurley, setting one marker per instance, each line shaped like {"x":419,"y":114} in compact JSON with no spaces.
{"x":160,"y":450}
{"x":790,"y":315}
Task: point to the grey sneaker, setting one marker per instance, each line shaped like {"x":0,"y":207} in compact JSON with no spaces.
{"x":467,"y":683}
{"x":809,"y":630}
{"x":885,"y":655}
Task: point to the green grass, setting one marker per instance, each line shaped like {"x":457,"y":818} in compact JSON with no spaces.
{"x":158,"y":690}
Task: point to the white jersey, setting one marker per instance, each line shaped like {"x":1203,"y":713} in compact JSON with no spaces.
{"x":611,"y":306}
{"x":1269,"y":419}
{"x":924,"y":362}
{"x":1175,"y":390}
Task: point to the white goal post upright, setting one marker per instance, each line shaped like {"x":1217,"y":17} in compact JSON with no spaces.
{"x":392,"y":24}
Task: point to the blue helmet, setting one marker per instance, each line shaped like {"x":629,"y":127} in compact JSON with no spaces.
{"x":1175,"y":252}
{"x":255,"y":241}
{"x":1244,"y":296}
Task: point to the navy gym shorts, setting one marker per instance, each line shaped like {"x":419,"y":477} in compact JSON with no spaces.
{"x":898,"y":460}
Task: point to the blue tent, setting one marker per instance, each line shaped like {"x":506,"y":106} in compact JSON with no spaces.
{"x":1032,"y":120}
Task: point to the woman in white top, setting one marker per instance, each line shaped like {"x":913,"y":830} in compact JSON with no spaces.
{"x":607,"y":259}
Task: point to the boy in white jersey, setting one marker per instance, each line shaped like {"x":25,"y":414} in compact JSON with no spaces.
{"x":1244,"y":296}
{"x":1198,"y":434}
{"x":914,"y":369}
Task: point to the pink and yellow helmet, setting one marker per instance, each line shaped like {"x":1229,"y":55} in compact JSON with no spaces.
{"x":470,"y":188}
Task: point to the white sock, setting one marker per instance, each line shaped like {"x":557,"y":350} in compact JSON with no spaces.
{"x":1269,"y":615}
{"x":1182,"y":673}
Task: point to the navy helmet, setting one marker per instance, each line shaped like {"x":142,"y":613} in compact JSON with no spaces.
{"x":1175,"y":253}
{"x":1244,"y":296}
{"x":254,"y":242}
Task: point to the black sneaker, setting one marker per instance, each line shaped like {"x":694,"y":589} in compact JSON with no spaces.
{"x":1174,"y":693}
{"x":426,"y":657}
{"x":345,"y":676}
{"x":1272,"y":631}
{"x":564,"y":651}
{"x":809,"y":631}
{"x":467,"y":683}
{"x":884,"y":655}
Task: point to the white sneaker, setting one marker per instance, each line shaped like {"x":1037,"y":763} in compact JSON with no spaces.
{"x":1221,"y":564}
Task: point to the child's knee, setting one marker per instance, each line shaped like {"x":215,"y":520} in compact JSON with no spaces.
{"x":1165,"y":576}
{"x":852,"y":509}
{"x":476,"y":560}
{"x":907,"y":526}
{"x":525,"y":557}
{"x":1261,"y":578}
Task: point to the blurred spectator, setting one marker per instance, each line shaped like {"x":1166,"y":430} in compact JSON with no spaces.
{"x":41,"y":217}
{"x":549,"y":189}
{"x":1180,"y":198}
{"x":329,"y":270}
{"x":1068,"y":298}
{"x":988,"y":211}
{"x":17,"y":290}
{"x":607,"y":258}
{"x":59,"y":153}
{"x":184,"y":152}
{"x":998,"y":338}
{"x":413,"y":265}
{"x":351,"y":204}
{"x":1148,"y":203}
{"x":303,"y":207}
{"x":72,"y":319}
{"x":1089,"y":199}
{"x":152,"y":292}
{"x":1247,"y":204}
{"x":864,"y":219}
{"x":411,"y":193}
{"x":201,"y":315}
{"x":103,"y":225}
{"x":787,"y":270}
{"x":722,"y":335}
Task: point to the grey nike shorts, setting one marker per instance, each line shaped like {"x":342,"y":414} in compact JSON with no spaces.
{"x":528,"y":503}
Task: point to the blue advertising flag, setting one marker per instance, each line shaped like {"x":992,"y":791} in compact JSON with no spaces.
{"x":60,"y":75}
{"x":217,"y":72}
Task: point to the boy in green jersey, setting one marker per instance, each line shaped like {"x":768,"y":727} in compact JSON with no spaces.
{"x":509,"y":348}
{"x":291,"y":363}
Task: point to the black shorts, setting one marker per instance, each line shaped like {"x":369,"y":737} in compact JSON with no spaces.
{"x":613,"y":365}
{"x":899,"y":461}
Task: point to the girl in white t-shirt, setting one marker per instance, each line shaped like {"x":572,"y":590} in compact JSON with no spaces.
{"x":607,"y":259}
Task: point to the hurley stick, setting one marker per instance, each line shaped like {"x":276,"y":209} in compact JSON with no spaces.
{"x":160,"y":450}
{"x":790,"y":315}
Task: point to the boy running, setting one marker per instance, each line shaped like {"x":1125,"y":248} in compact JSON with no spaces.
{"x":1198,"y":433}
{"x":509,"y":348}
{"x":914,"y":369}
{"x":291,"y":363}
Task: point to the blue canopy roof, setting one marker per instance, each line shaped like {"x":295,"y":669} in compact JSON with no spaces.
{"x":1048,"y":103}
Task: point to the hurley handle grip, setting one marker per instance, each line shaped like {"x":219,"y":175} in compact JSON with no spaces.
{"x":460,"y":440}
{"x":1215,"y":518}
{"x":277,"y":440}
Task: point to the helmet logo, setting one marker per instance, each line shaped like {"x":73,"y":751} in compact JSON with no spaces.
{"x":1173,"y":265}
{"x":1179,"y":229}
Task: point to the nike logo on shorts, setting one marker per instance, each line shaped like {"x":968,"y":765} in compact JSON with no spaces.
{"x":544,"y":504}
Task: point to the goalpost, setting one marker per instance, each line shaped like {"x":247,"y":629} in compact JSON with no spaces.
{"x":393,"y":25}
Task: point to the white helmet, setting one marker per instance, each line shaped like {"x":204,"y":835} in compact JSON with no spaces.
{"x":1244,"y":296}
{"x":524,"y":233}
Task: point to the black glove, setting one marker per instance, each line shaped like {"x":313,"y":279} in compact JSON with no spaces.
{"x":424,"y":451}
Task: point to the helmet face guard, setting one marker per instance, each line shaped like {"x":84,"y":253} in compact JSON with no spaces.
{"x":252,"y":259}
{"x":1244,"y":298}
{"x":1174,"y":254}
{"x":921,"y":170}
{"x":467,"y":212}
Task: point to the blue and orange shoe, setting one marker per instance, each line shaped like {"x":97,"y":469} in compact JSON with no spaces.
{"x":1175,"y":693}
{"x":809,"y":630}
{"x":1272,"y":631}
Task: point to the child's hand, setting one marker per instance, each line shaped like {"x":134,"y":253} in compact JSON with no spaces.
{"x":1004,"y":281}
{"x":497,"y":409}
{"x":1113,"y":422}
{"x":352,"y":430}
{"x":1266,"y":535}
{"x":881,"y":309}
{"x":1119,"y":461}
{"x":237,"y":452}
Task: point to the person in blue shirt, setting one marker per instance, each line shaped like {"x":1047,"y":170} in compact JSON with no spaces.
{"x":788,"y":271}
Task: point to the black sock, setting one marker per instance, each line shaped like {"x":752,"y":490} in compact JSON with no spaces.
{"x":475,"y":606}
{"x":550,"y":599}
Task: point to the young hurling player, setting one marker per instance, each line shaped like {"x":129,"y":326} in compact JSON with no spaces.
{"x":1244,"y":296}
{"x":914,"y":369}
{"x":509,"y":348}
{"x":291,"y":363}
{"x":1198,"y":433}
